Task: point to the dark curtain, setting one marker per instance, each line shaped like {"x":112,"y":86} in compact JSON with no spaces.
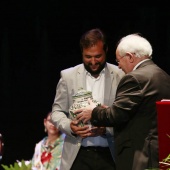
{"x":40,"y":38}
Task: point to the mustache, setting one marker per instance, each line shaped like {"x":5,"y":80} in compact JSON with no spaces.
{"x":90,"y":64}
{"x":100,"y":68}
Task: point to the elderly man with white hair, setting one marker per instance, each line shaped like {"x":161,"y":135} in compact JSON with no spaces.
{"x":133,"y":112}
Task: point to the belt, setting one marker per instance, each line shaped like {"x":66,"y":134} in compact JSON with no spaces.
{"x":95,"y":148}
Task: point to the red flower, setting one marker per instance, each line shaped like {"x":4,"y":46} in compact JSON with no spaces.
{"x":46,"y":157}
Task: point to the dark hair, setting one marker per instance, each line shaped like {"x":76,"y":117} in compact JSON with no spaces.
{"x":48,"y":114}
{"x":91,"y":37}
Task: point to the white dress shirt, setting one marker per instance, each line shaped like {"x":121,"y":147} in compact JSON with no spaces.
{"x":96,"y":86}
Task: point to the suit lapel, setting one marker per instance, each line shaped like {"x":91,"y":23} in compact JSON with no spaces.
{"x":81,"y":81}
{"x":108,"y":85}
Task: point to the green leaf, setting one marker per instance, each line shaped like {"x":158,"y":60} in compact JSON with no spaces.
{"x":17,"y":167}
{"x":5,"y":167}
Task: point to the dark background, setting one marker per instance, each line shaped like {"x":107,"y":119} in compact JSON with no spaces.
{"x":40,"y":38}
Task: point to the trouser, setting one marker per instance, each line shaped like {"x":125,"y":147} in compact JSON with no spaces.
{"x":93,"y":158}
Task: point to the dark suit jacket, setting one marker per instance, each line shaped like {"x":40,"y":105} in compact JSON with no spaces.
{"x":134,"y":118}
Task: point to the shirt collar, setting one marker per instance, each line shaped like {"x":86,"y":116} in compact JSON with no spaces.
{"x":140,"y":63}
{"x":89,"y":74}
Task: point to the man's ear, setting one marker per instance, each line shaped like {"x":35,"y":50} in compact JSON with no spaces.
{"x":131,"y":57}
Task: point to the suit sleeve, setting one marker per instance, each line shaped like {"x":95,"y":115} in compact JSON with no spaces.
{"x":60,"y":108}
{"x":128,"y":96}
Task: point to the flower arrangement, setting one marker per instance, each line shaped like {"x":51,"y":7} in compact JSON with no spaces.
{"x":23,"y":165}
{"x":165,"y":163}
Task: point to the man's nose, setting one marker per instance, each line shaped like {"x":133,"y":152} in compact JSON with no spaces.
{"x":93,"y":61}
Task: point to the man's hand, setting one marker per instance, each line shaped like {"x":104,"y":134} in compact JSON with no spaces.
{"x":98,"y":131}
{"x":83,"y":132}
{"x":86,"y":130}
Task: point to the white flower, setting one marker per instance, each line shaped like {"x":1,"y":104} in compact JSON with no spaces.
{"x":26,"y":163}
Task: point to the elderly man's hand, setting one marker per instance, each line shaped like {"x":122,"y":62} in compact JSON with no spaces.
{"x":84,"y":114}
{"x":98,"y":131}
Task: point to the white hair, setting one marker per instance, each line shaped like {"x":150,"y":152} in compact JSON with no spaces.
{"x":136,"y":44}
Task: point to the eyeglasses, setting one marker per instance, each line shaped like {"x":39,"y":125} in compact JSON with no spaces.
{"x":118,"y":60}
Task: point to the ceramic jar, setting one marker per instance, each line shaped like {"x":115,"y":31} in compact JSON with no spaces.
{"x":80,"y":100}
